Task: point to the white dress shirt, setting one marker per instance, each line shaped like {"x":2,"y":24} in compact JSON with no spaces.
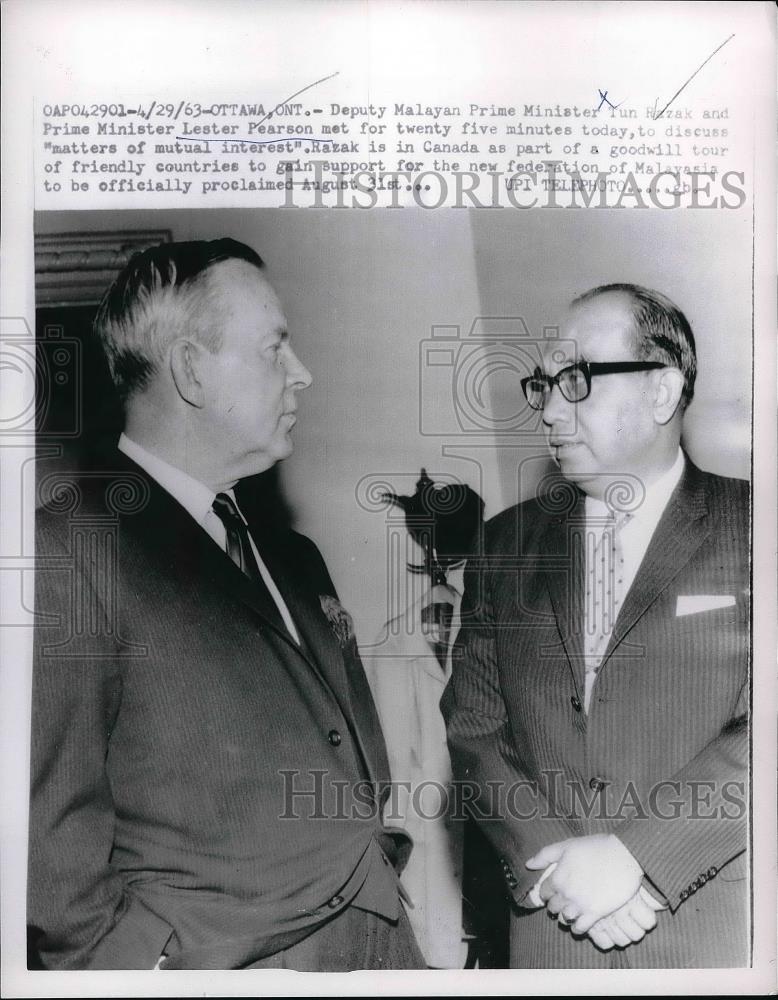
{"x":197,"y":500}
{"x":634,"y":538}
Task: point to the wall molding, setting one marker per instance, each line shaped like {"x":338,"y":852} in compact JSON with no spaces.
{"x":74,"y":269}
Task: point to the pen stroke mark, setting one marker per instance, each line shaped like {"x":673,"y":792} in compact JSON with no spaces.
{"x":604,"y":100}
{"x":253,"y":142}
{"x":297,"y":94}
{"x":683,"y":87}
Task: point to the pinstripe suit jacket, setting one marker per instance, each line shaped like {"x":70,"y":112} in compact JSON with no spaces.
{"x":661,"y":759}
{"x":175,"y":724}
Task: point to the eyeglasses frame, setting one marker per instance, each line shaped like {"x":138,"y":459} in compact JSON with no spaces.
{"x":589,"y":368}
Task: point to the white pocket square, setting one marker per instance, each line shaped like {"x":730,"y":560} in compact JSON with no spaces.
{"x":692,"y":604}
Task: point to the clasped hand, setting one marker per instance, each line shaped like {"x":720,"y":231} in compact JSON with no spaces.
{"x":594,"y":884}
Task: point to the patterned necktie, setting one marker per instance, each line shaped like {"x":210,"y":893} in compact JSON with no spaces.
{"x":240,"y":551}
{"x":238,"y":541}
{"x":605,"y":591}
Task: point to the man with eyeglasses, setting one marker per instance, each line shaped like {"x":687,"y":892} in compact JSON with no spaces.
{"x":597,"y":712}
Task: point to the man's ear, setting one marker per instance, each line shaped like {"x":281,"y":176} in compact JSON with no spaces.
{"x":668,"y":392}
{"x":185,"y":362}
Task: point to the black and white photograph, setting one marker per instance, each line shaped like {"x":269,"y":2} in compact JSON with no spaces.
{"x":388,"y":570}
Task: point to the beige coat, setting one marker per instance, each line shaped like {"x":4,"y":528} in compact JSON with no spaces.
{"x":407,"y":682}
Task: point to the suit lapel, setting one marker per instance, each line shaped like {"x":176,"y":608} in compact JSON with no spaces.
{"x":682,"y":529}
{"x":218,"y":567}
{"x":319,"y":643}
{"x":562,"y":550}
{"x":317,"y":638}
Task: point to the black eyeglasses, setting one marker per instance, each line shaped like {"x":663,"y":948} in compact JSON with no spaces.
{"x":575,"y":381}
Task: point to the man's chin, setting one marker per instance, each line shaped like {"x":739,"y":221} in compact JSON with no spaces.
{"x":283,"y":449}
{"x":260,"y":462}
{"x":571,"y":464}
{"x":595,"y":484}
{"x":579,"y":473}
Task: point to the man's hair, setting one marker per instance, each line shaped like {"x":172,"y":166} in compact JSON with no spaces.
{"x":163,"y":293}
{"x":661,"y":333}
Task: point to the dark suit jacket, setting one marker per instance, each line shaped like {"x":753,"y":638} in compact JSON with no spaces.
{"x":177,"y":728}
{"x":661,"y":760}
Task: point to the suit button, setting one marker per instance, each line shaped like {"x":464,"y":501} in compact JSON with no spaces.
{"x":713,"y":871}
{"x":575,"y":703}
{"x":335,"y":902}
{"x":596,"y":784}
{"x":684,"y":894}
{"x":334,"y":737}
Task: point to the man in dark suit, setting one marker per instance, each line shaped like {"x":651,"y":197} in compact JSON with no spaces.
{"x":598,"y":705}
{"x":207,"y":763}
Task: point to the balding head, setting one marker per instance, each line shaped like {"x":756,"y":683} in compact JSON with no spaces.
{"x":661,"y":331}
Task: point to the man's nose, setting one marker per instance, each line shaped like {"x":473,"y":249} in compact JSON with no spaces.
{"x":296,"y":372}
{"x":556,"y":410}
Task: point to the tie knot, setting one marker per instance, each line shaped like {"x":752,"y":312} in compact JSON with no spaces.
{"x":226,"y":510}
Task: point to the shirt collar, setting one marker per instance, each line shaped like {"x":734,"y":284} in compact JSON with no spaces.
{"x":655,"y":500}
{"x":194,"y":496}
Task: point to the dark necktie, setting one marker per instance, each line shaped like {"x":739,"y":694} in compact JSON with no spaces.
{"x":240,"y":551}
{"x":238,"y":541}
